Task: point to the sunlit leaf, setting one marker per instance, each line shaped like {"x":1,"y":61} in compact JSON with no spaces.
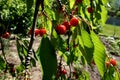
{"x":99,"y":53}
{"x":104,"y":1}
{"x":72,"y":2}
{"x":103,"y":15}
{"x":88,"y":45}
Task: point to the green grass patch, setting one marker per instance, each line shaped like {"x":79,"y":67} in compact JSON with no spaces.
{"x":111,"y":30}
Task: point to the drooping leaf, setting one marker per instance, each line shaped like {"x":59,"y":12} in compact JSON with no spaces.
{"x":99,"y":53}
{"x":88,"y":45}
{"x":47,"y":57}
{"x":104,"y":15}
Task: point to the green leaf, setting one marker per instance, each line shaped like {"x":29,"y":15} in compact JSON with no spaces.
{"x":24,"y":51}
{"x":71,"y":3}
{"x":110,"y":74}
{"x":47,"y":57}
{"x":83,"y":60}
{"x":117,"y":75}
{"x":33,"y":62}
{"x":58,"y":42}
{"x":2,"y":63}
{"x":20,"y":68}
{"x":104,"y":1}
{"x":104,"y":15}
{"x":19,"y":49}
{"x":88,"y":46}
{"x":85,"y":76}
{"x":48,"y":2}
{"x":98,"y":15}
{"x":99,"y":53}
{"x":29,"y":4}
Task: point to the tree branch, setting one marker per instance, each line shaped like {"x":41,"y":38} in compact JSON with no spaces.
{"x":27,"y":62}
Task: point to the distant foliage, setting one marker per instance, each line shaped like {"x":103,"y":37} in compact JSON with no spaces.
{"x":14,"y":17}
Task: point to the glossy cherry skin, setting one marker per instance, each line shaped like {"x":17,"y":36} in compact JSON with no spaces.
{"x":107,"y":64}
{"x":74,"y":21}
{"x":61,"y":29}
{"x":64,"y":72}
{"x":113,"y":62}
{"x":67,"y":25}
{"x":90,"y":9}
{"x":36,"y":31}
{"x":6,"y":35}
{"x":42,"y":31}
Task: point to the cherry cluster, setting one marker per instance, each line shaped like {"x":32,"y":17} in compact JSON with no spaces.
{"x":40,"y":32}
{"x":89,"y":9}
{"x":61,"y":71}
{"x":111,"y":62}
{"x":66,"y":25}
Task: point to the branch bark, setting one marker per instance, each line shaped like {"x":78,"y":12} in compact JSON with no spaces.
{"x":27,"y":62}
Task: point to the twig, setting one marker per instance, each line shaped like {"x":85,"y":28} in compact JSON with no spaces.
{"x":87,"y":23}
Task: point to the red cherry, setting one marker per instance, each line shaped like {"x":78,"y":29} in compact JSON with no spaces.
{"x":42,"y":32}
{"x":107,"y":64}
{"x":36,"y":31}
{"x":74,"y":21}
{"x":61,"y":29}
{"x":66,"y":24}
{"x":64,"y":71}
{"x":6,"y":35}
{"x":90,"y":9}
{"x":113,"y":62}
{"x":79,"y":1}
